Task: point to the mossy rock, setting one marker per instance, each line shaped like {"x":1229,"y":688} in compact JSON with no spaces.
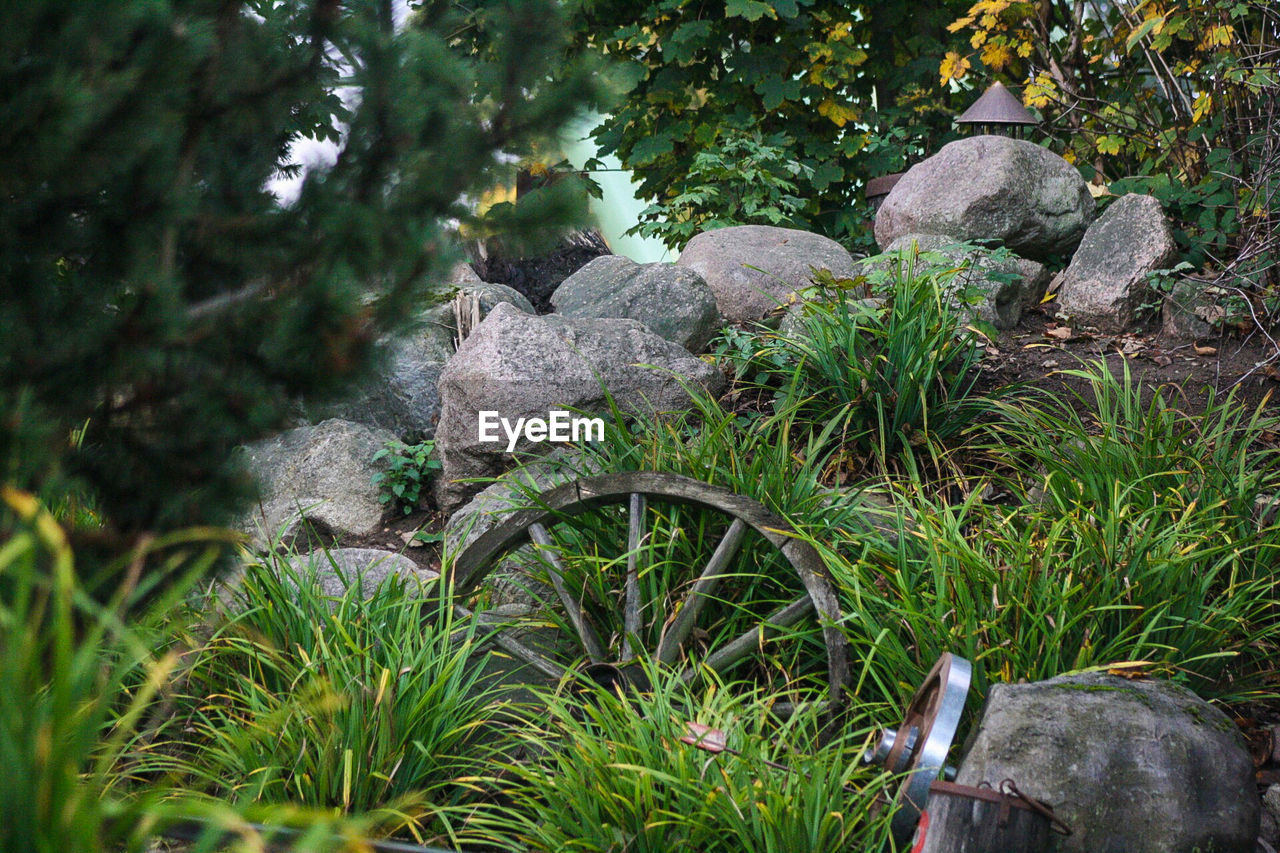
{"x":1132,"y":766}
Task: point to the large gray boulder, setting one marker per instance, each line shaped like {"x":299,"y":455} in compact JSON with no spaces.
{"x":403,"y":396}
{"x":991,"y":188}
{"x":753,"y":269}
{"x":671,"y":300}
{"x":1106,"y":281}
{"x":1130,"y":766}
{"x":319,"y":476}
{"x":334,"y":569}
{"x":989,"y":289}
{"x":522,"y":366}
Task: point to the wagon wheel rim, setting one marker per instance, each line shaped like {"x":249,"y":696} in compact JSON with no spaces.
{"x":636,"y":490}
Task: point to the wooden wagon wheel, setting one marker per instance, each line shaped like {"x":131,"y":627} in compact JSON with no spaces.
{"x":637,"y":492}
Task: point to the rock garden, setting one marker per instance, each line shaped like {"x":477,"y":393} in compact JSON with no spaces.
{"x":940,"y":518}
{"x":1094,"y":520}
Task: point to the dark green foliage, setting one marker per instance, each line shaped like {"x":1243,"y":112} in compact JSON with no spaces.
{"x":741,"y":180}
{"x":851,"y":83}
{"x":152,"y":287}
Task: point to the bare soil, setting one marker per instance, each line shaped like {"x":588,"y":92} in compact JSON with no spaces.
{"x":1039,"y":351}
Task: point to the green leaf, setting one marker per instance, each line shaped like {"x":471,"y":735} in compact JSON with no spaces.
{"x":650,"y":148}
{"x":1143,"y":29}
{"x":826,"y":174}
{"x":752,"y":10}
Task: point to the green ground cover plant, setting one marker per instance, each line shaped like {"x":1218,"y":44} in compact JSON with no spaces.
{"x":367,"y":703}
{"x":409,"y":466}
{"x":1136,"y":537}
{"x":887,"y":356}
{"x":83,"y":683}
{"x":607,"y":771}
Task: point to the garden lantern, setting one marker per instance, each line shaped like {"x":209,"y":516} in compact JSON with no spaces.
{"x":998,"y":111}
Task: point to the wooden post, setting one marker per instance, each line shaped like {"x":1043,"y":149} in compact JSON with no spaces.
{"x":963,"y":819}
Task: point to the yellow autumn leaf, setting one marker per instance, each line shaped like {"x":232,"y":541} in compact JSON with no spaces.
{"x":1024,"y":49}
{"x":953,"y":67}
{"x":989,"y":21}
{"x":1040,"y":92}
{"x":989,"y":7}
{"x":978,"y":38}
{"x":996,"y":55}
{"x":1219,"y":35}
{"x":839,"y":113}
{"x":840,"y":31}
{"x":1202,"y":105}
{"x":957,"y":26}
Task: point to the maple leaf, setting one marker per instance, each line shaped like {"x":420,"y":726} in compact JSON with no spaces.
{"x":996,"y":55}
{"x":953,"y":67}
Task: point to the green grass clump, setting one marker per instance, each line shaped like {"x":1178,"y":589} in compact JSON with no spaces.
{"x":347,"y":704}
{"x":898,"y":372}
{"x":1137,"y":541}
{"x":607,"y":772}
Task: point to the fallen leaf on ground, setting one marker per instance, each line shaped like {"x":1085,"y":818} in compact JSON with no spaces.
{"x":1062,"y":333}
{"x":704,"y":737}
{"x":1206,"y":350}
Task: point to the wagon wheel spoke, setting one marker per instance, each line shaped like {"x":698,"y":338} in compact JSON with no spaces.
{"x":631,"y":604}
{"x":746,"y":643}
{"x":703,"y":590}
{"x":518,"y":650}
{"x":573,"y":609}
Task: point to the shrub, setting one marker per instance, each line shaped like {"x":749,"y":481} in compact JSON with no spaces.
{"x":1138,"y":540}
{"x":405,"y":479}
{"x":743,"y":179}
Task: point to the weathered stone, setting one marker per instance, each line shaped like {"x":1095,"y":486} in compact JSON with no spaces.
{"x":462,"y":274}
{"x":403,"y":397}
{"x":1190,"y":309}
{"x":1269,"y":829}
{"x":991,"y":188}
{"x":986,"y":289}
{"x":671,"y":300}
{"x":1106,"y":281}
{"x":524,"y":366}
{"x":1033,"y":279}
{"x":333,"y":569}
{"x":1130,"y":766}
{"x":752,"y":269}
{"x":321,"y":475}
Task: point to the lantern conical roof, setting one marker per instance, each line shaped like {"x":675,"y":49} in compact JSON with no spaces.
{"x":997,"y":106}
